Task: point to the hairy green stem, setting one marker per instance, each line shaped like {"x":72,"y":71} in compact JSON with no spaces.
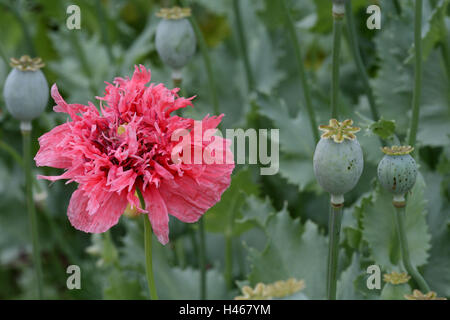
{"x":399,"y":218}
{"x":148,"y":250}
{"x":202,"y":258}
{"x":334,"y":229}
{"x":207,"y":60}
{"x":300,"y":66}
{"x":242,"y":43}
{"x":337,"y":30}
{"x":353,"y":39}
{"x":417,"y":94}
{"x":26,"y":137}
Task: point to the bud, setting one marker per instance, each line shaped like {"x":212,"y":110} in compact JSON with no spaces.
{"x":26,"y":89}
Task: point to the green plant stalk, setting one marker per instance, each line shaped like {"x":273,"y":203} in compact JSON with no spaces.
{"x":228,"y":260}
{"x":13,"y":153}
{"x":206,"y":58}
{"x":334,"y":229}
{"x":397,"y":6}
{"x":104,"y":30}
{"x":3,"y":55}
{"x":301,"y":71}
{"x":148,"y":250}
{"x":242,"y":43}
{"x":399,"y":219}
{"x":26,"y":137}
{"x":25,"y":29}
{"x":445,"y":47}
{"x":417,"y":94}
{"x":83,"y":60}
{"x":337,"y":30}
{"x":443,"y":43}
{"x":202,"y":258}
{"x":353,"y":39}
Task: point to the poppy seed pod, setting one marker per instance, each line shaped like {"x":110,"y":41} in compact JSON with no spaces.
{"x":26,"y":89}
{"x":175,"y":38}
{"x":397,"y":171}
{"x":338,"y":159}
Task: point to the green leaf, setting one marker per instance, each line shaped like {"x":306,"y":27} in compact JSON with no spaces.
{"x":295,"y":141}
{"x":257,"y":210}
{"x":346,"y":286}
{"x":379,"y":228}
{"x":432,"y":30}
{"x":436,"y":272}
{"x":383,"y":128}
{"x":221,"y":217}
{"x":179,"y":284}
{"x":294,"y":251}
{"x":121,"y":287}
{"x":171,"y":282}
{"x":394,"y":85}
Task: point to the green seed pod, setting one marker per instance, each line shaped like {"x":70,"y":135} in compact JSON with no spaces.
{"x":338,"y":159}
{"x":175,"y":38}
{"x":396,"y":286}
{"x":26,"y":89}
{"x":397,"y":171}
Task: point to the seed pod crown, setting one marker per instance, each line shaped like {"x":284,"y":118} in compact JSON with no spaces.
{"x":338,"y":131}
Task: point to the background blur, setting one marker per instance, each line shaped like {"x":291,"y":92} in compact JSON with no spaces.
{"x":258,"y":214}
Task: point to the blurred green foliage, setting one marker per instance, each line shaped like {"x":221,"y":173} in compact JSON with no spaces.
{"x":278,"y":223}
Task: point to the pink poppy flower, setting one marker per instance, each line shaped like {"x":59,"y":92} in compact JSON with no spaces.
{"x":129,"y":144}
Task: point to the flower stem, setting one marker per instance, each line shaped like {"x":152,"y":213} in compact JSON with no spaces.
{"x":353,"y":39}
{"x":228,"y":260}
{"x":399,"y":218}
{"x":17,"y":12}
{"x":417,"y":73}
{"x":301,"y":70}
{"x":26,"y":137}
{"x":445,"y":47}
{"x":202,"y":258}
{"x":334,"y":229}
{"x":148,"y":249}
{"x":337,"y":30}
{"x":13,"y":153}
{"x":206,"y":58}
{"x":242,"y":43}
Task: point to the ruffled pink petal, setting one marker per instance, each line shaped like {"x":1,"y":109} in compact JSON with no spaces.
{"x":63,"y":106}
{"x":188,"y":199}
{"x":158,"y":215}
{"x":106,"y":216}
{"x":52,"y":151}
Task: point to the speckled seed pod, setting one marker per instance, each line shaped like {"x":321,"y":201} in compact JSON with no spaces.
{"x":26,"y":89}
{"x":338,"y":159}
{"x":175,"y":38}
{"x":397,"y":171}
